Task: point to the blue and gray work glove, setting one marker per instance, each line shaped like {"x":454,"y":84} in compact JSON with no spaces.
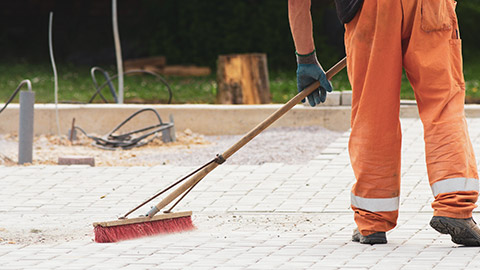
{"x":309,"y":70}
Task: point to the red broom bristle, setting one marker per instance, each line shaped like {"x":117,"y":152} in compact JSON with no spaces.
{"x":148,"y":228}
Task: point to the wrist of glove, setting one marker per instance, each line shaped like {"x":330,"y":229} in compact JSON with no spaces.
{"x":309,"y":70}
{"x":310,"y":58}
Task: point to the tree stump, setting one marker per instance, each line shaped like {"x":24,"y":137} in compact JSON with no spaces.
{"x":243,"y":79}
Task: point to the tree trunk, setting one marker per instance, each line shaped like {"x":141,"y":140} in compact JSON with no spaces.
{"x":243,"y":79}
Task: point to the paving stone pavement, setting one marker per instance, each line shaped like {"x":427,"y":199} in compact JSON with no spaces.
{"x":271,"y":216}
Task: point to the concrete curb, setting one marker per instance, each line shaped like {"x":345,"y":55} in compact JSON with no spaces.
{"x":205,"y":119}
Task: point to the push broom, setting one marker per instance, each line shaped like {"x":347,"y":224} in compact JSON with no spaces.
{"x":128,"y":228}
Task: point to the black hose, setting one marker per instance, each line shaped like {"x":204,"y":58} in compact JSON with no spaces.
{"x":22,"y":83}
{"x":112,"y":88}
{"x":109,"y":81}
{"x":126,"y":140}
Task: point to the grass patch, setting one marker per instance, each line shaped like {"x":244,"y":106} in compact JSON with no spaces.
{"x":75,"y":85}
{"x":472,"y":77}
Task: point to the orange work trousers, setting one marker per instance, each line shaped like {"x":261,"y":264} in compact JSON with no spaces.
{"x":422,"y":37}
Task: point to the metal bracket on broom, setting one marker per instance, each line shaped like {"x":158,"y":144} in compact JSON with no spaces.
{"x":218,"y":159}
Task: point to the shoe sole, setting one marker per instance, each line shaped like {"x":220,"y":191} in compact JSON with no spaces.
{"x":371,"y":239}
{"x":460,"y":233}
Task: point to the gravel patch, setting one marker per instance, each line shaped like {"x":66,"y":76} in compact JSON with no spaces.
{"x":279,"y":145}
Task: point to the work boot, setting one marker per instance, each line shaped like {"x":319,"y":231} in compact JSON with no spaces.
{"x":463,"y":231}
{"x":372,"y":239}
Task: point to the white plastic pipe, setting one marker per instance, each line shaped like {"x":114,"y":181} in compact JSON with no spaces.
{"x":54,"y":67}
{"x":118,"y":52}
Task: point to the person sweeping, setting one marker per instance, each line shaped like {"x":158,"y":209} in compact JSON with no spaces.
{"x":381,"y":38}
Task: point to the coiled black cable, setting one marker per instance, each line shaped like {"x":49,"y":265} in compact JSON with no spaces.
{"x":109,"y":80}
{"x":22,"y":83}
{"x":129,"y":140}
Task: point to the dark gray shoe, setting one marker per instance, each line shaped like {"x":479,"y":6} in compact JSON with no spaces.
{"x":463,"y":231}
{"x":372,"y":239}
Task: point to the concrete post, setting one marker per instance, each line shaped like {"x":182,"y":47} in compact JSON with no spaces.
{"x":25,"y":130}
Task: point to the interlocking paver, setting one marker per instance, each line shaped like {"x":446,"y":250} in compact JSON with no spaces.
{"x":272,"y":216}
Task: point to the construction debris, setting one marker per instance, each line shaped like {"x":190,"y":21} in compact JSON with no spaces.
{"x":48,"y":149}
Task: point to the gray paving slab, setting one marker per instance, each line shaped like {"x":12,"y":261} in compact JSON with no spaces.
{"x":247,"y":217}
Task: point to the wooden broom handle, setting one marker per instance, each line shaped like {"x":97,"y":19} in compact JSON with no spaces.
{"x":248,"y":137}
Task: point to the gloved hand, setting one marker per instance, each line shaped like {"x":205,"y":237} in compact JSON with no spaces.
{"x":309,"y":71}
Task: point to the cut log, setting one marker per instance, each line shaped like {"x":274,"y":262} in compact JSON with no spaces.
{"x":158,"y":62}
{"x":243,"y":79}
{"x":186,"y":71}
{"x":175,"y":70}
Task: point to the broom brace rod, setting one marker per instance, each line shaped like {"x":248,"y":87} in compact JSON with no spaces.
{"x":245,"y":139}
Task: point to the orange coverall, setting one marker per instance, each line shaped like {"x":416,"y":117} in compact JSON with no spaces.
{"x":422,"y":37}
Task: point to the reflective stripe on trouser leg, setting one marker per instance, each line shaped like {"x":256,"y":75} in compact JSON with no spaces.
{"x":375,"y":214}
{"x":375,"y":204}
{"x":455,"y":197}
{"x":454,"y":185}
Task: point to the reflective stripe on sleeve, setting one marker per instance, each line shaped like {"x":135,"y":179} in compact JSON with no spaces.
{"x":375,"y":204}
{"x":454,"y":184}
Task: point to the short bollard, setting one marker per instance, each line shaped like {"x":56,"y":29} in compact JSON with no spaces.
{"x":168,"y":134}
{"x":25,"y":130}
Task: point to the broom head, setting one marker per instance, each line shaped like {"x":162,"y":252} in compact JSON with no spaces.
{"x":130,"y":228}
